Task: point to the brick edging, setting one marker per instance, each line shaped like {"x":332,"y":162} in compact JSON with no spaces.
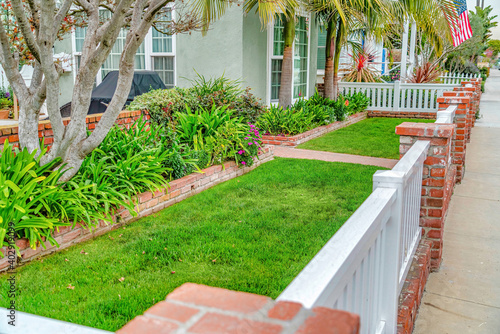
{"x":413,"y":288}
{"x":147,"y":204}
{"x":313,"y":133}
{"x":402,"y":114}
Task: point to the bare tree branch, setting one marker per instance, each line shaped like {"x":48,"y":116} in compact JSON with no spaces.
{"x":25,"y":28}
{"x":61,"y":14}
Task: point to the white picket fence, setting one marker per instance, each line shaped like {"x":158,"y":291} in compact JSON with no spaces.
{"x":362,"y":267}
{"x":398,"y":96}
{"x":457,"y":78}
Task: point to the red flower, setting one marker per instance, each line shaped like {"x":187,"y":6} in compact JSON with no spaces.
{"x":346,"y":103}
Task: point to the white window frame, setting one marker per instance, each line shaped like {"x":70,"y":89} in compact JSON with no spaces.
{"x":148,"y":49}
{"x":271,"y":57}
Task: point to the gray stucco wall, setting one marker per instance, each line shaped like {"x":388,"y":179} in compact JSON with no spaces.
{"x":218,"y":52}
{"x":66,"y":81}
{"x":255,"y":55}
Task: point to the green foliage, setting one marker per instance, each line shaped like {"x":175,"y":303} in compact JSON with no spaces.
{"x":253,"y":234}
{"x":215,"y":131}
{"x":165,"y":105}
{"x":6,"y":103}
{"x":305,"y":115}
{"x":36,"y":203}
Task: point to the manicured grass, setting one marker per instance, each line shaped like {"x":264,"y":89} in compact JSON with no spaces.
{"x":373,"y":137}
{"x":254,"y":233}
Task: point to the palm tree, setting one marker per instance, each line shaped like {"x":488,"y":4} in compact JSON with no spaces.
{"x":342,"y":19}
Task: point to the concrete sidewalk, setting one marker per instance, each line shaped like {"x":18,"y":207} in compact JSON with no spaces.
{"x":464,"y":295}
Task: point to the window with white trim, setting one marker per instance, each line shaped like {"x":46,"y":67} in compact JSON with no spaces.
{"x":300,"y":57}
{"x":157,"y":52}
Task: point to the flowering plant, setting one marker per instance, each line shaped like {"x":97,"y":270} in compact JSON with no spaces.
{"x":251,"y":145}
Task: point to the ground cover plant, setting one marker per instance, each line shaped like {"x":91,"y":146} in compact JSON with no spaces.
{"x":305,"y":115}
{"x":254,"y":233}
{"x":374,"y":137}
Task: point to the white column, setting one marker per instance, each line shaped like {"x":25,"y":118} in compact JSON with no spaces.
{"x":413,"y":41}
{"x":404,"y":52}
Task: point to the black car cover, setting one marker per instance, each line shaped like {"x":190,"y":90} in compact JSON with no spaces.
{"x":143,"y":82}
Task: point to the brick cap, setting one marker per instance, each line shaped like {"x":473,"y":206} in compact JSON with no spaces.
{"x":201,"y":309}
{"x":453,"y":99}
{"x":431,"y":130}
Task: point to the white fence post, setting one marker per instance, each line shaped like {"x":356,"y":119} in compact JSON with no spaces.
{"x":397,"y":96}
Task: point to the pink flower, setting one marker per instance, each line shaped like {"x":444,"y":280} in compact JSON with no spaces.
{"x":250,"y":143}
{"x":243,"y":163}
{"x":240,"y":152}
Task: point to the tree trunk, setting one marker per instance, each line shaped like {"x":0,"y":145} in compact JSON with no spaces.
{"x":336,"y":59}
{"x":28,"y":127}
{"x":285,"y":96}
{"x":330,"y":48}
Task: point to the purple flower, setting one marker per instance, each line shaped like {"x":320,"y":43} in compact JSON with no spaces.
{"x":7,"y":95}
{"x":249,"y":143}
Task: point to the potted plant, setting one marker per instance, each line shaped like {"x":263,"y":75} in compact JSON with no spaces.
{"x":5,"y":107}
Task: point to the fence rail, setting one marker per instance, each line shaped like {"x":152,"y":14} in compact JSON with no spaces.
{"x":398,"y":96}
{"x":362,"y":267}
{"x":457,"y":78}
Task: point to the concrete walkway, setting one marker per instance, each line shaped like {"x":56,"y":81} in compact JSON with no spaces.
{"x":464,"y":295}
{"x":288,"y":152}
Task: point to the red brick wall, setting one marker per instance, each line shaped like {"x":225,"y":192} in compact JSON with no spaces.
{"x":201,"y":309}
{"x":438,"y":179}
{"x":413,"y":288}
{"x":147,"y":204}
{"x":314,"y":133}
{"x":45,"y":128}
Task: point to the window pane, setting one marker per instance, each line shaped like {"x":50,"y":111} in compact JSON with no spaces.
{"x":275,"y":78}
{"x":164,"y":66}
{"x":279,"y":42}
{"x":300,"y":58}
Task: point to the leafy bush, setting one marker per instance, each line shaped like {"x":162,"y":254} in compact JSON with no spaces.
{"x":286,"y":121}
{"x":36,"y":203}
{"x":165,"y":105}
{"x":216,"y":131}
{"x":357,"y":102}
{"x":253,"y":141}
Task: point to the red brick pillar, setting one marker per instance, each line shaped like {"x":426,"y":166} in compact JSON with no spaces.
{"x":438,"y":179}
{"x":201,"y":309}
{"x":463,"y":123}
{"x":476,"y":83}
{"x":469,"y":91}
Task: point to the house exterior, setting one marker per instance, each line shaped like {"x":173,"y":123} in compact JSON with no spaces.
{"x":236,"y":46}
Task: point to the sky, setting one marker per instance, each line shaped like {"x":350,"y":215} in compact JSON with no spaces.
{"x":495,"y":4}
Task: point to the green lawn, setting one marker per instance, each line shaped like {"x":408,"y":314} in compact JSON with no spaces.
{"x":373,"y":137}
{"x":254,"y":233}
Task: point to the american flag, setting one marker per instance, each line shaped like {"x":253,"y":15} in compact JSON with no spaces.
{"x":458,"y":20}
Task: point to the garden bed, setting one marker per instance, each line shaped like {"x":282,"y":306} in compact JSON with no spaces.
{"x":148,"y":203}
{"x":254,"y":234}
{"x":314,"y":133}
{"x":373,"y":137}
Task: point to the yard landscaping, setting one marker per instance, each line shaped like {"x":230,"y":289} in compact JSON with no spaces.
{"x":254,"y":233}
{"x":374,"y":137}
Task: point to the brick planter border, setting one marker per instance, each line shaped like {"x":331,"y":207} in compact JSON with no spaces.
{"x":147,"y":204}
{"x":402,"y":114}
{"x":314,"y":133}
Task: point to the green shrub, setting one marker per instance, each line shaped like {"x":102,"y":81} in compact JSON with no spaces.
{"x":163,"y":104}
{"x":34,"y":201}
{"x":358,"y":102}
{"x":285,"y":121}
